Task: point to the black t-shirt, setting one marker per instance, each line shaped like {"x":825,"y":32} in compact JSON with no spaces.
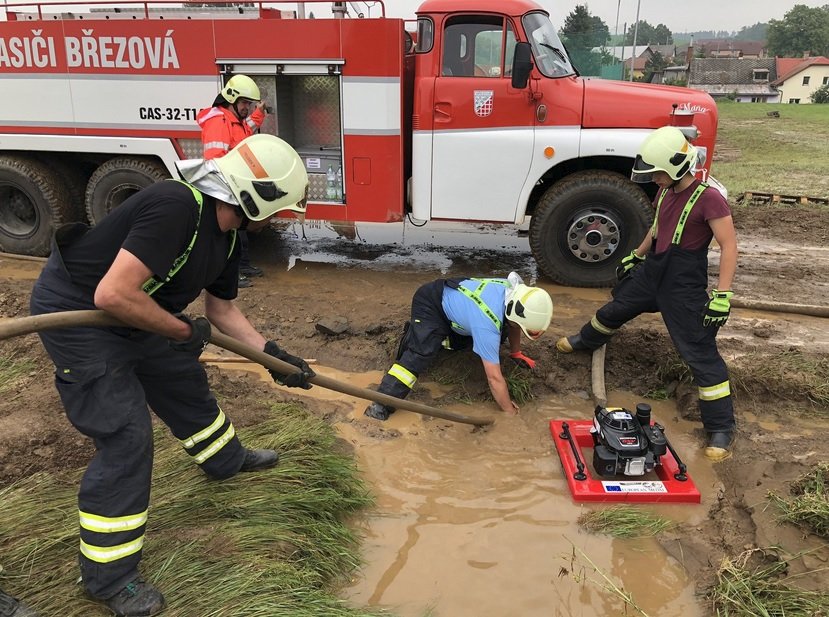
{"x":156,"y":225}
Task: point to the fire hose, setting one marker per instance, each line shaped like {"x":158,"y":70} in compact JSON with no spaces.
{"x":74,"y":319}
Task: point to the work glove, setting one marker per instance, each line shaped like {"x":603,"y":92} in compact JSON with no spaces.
{"x":627,"y":265}
{"x":717,"y":309}
{"x":292,"y":380}
{"x":199,"y":335}
{"x":523,"y":361}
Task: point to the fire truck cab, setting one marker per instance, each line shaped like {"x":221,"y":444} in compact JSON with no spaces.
{"x":473,"y":114}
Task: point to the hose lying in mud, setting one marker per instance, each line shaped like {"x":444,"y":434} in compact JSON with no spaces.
{"x":73,"y":319}
{"x":781,"y":307}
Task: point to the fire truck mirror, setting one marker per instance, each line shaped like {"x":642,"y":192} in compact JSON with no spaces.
{"x":522,"y":64}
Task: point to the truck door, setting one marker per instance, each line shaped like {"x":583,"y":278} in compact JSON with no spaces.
{"x":483,"y":127}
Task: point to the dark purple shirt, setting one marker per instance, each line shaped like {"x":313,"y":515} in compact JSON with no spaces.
{"x":697,"y":233}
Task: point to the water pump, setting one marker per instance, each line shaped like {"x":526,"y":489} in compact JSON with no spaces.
{"x":625,"y":443}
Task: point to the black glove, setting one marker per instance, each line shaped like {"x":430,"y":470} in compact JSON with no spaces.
{"x":292,"y":380}
{"x":199,"y":335}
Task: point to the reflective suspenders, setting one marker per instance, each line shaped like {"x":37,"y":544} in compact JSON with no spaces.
{"x":475,"y":296}
{"x":153,"y":284}
{"x":680,"y":225}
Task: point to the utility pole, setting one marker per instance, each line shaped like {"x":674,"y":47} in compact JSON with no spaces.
{"x":635,"y":34}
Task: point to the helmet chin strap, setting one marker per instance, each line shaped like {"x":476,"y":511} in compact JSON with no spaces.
{"x":241,"y":214}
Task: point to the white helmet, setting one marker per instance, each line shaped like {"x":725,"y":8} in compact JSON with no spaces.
{"x":666,"y":149}
{"x":240,"y":87}
{"x":531,"y":308}
{"x":265,"y":175}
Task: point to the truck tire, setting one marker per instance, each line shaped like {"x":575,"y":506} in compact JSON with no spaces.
{"x":584,"y":224}
{"x":116,"y":180}
{"x":33,"y":203}
{"x":74,"y":178}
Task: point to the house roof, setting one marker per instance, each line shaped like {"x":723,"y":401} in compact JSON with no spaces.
{"x":624,"y":53}
{"x":799,"y":66}
{"x":746,"y":48}
{"x":728,"y":71}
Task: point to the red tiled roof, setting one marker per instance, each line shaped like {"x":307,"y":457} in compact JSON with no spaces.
{"x":786,"y":67}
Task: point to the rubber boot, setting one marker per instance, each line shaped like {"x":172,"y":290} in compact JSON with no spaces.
{"x":719,"y":445}
{"x":12,"y":607}
{"x":256,"y":460}
{"x":138,"y":599}
{"x":244,"y":282}
{"x":250,"y":271}
{"x":378,"y":411}
{"x":569,"y":344}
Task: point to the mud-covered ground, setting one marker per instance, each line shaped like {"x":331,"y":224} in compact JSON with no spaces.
{"x":781,"y":429}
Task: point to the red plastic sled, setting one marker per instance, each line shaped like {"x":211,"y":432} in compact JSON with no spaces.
{"x":666,"y":487}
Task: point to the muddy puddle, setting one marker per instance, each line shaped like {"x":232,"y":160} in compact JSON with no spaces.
{"x":481,"y":523}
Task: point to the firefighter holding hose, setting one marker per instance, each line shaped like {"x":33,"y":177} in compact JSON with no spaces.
{"x":144,"y":263}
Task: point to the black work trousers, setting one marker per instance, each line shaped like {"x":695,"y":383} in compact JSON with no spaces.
{"x":675,"y":284}
{"x":422,"y":340}
{"x":107,"y":378}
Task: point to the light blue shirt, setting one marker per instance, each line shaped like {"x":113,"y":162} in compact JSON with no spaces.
{"x":469,"y":320}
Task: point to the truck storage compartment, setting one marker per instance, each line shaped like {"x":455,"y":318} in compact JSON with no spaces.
{"x":307,"y":114}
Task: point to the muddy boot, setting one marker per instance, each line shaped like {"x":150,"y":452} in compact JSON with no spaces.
{"x":138,"y":599}
{"x":244,"y":282}
{"x":250,"y":271}
{"x":569,"y":344}
{"x":256,"y":460}
{"x":11,"y":607}
{"x":378,"y":411}
{"x":719,"y":445}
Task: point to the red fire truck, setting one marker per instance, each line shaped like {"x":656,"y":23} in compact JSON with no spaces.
{"x":476,"y":115}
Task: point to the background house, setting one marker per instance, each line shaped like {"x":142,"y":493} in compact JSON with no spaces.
{"x":798,"y":78}
{"x":729,"y":48}
{"x":745,"y":79}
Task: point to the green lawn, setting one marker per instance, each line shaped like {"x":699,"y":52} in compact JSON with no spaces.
{"x":788,"y":155}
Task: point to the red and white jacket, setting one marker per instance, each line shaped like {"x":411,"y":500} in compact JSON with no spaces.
{"x":221,"y":130}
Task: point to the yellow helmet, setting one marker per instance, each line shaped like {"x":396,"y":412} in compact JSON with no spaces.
{"x":240,"y":87}
{"x":666,"y":149}
{"x":265,"y":175}
{"x":531,"y":308}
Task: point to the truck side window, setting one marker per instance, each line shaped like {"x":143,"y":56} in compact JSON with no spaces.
{"x":425,"y":35}
{"x":473,"y":46}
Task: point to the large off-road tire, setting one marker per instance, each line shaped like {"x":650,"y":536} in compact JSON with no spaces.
{"x":33,"y":203}
{"x":118,"y":179}
{"x":584,"y":224}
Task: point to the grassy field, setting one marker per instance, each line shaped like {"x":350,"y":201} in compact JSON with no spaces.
{"x":786,"y":155}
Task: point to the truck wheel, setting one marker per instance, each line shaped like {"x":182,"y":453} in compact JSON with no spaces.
{"x":116,"y":180}
{"x":33,"y":203}
{"x":584,"y":224}
{"x":74,"y":178}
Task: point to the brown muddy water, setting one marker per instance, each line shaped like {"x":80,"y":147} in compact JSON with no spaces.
{"x":481,"y":523}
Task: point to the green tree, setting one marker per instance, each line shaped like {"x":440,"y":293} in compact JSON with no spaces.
{"x":801,"y":30}
{"x":582,"y":32}
{"x":821,"y":95}
{"x":757,"y":32}
{"x":655,"y":63}
{"x":649,"y":35}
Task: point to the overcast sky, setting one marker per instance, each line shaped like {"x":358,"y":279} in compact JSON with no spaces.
{"x":678,"y":15}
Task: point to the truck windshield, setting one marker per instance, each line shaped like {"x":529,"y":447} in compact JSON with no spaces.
{"x":548,"y":50}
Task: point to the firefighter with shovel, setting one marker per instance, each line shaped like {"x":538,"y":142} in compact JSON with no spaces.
{"x":144,"y":264}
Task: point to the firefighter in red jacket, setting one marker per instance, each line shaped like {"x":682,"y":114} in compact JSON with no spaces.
{"x":237,"y":112}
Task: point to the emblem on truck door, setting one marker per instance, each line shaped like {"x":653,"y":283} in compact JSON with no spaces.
{"x":483,"y":103}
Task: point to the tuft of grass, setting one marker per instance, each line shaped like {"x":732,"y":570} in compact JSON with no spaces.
{"x":809,"y":506}
{"x":785,"y":155}
{"x":741,"y":591}
{"x":453,"y":375}
{"x":788,"y":374}
{"x":270,"y":544}
{"x":520,"y":385}
{"x":657,"y":394}
{"x":624,"y":521}
{"x":13,"y":371}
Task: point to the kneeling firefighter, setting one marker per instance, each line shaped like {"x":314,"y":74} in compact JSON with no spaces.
{"x":462,"y":313}
{"x":144,"y":263}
